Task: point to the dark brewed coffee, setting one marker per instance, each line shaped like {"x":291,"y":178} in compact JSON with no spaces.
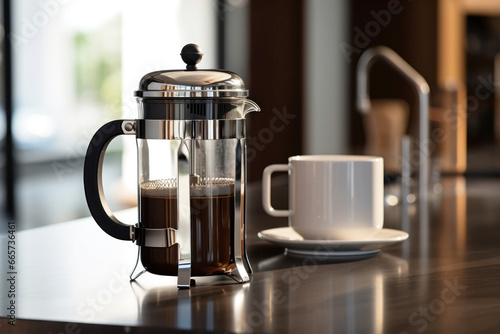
{"x":212,"y":227}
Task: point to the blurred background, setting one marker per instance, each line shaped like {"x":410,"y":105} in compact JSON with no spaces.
{"x":69,"y":66}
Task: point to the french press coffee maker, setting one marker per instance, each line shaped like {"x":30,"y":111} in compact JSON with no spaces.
{"x":191,"y":173}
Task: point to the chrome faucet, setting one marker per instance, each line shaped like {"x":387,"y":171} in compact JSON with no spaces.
{"x":422,"y":88}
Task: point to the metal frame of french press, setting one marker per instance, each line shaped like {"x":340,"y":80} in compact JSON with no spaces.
{"x":186,"y":131}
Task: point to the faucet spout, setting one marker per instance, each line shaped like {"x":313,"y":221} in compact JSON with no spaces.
{"x":421,"y":87}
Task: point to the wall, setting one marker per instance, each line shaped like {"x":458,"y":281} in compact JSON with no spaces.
{"x":326,"y":74}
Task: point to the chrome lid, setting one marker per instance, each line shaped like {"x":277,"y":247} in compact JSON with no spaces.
{"x":192,"y":82}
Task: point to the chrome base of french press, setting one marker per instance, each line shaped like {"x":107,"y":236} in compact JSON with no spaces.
{"x":166,"y":238}
{"x":241,"y":274}
{"x":181,"y":282}
{"x":132,"y":276}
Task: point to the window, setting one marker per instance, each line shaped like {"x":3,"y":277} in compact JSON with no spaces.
{"x":75,"y":67}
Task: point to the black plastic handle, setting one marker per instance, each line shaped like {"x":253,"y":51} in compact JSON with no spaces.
{"x":92,"y":178}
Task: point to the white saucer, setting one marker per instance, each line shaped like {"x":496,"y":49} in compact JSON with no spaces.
{"x":295,"y":243}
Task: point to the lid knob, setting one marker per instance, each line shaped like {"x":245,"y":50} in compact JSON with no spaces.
{"x":191,"y":54}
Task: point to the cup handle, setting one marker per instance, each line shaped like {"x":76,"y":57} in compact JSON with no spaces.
{"x":266,"y":190}
{"x":92,"y":178}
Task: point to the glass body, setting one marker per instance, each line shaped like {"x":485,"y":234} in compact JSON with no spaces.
{"x":212,"y":203}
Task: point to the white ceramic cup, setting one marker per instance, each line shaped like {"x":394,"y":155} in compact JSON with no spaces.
{"x":331,"y":197}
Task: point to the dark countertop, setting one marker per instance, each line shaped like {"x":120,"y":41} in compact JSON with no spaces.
{"x":73,"y":278}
